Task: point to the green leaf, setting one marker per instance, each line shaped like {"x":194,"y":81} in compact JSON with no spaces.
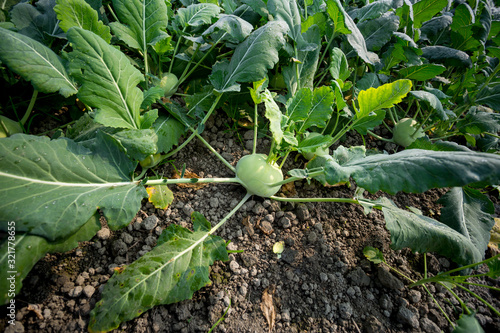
{"x":424,"y":10}
{"x":433,"y":101}
{"x":143,"y":22}
{"x":28,"y":249}
{"x":374,"y":255}
{"x":369,"y":122}
{"x":415,"y":170}
{"x":422,"y":72}
{"x":150,"y":96}
{"x":197,"y":14}
{"x":35,"y":62}
{"x":344,"y":24}
{"x":490,"y":96}
{"x":171,"y":272}
{"x":382,"y":97}
{"x":138,"y":143}
{"x":78,"y":13}
{"x":468,"y":324}
{"x":287,"y":11}
{"x":63,"y":183}
{"x":230,"y":28}
{"x":462,"y":34}
{"x":321,"y":109}
{"x":251,"y":59}
{"x":318,"y":19}
{"x":469,"y":212}
{"x":423,"y":234}
{"x":273,"y":113}
{"x":339,"y":68}
{"x":434,"y":29}
{"x":494,"y":269}
{"x":378,"y":32}
{"x":38,"y":22}
{"x":109,"y":81}
{"x":169,"y":131}
{"x":371,"y":10}
{"x":479,"y":122}
{"x":447,"y":56}
{"x":160,"y":196}
{"x":299,"y":105}
{"x":311,"y":143}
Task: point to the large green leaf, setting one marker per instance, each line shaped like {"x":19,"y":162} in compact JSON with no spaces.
{"x":251,"y":59}
{"x":78,"y":13}
{"x":109,"y":81}
{"x":171,"y":272}
{"x":344,"y":24}
{"x":273,"y":113}
{"x":35,"y":62}
{"x":51,"y":188}
{"x":412,"y":170}
{"x":469,"y":212}
{"x":38,"y":22}
{"x":462,"y":34}
{"x":433,"y":101}
{"x":423,"y":234}
{"x":468,"y":323}
{"x":446,"y":56}
{"x":424,"y":10}
{"x":169,"y":131}
{"x":139,"y":143}
{"x":28,"y":249}
{"x":229,"y":28}
{"x":142,"y":22}
{"x":197,"y":14}
{"x":490,"y":96}
{"x":382,"y":97}
{"x":477,"y":122}
{"x":422,"y":72}
{"x":378,"y":32}
{"x":287,"y":11}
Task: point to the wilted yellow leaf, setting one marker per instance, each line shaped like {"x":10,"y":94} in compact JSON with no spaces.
{"x":160,"y":196}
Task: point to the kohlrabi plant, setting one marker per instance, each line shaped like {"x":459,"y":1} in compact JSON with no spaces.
{"x":124,"y":72}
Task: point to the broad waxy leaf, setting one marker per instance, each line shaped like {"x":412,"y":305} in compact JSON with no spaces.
{"x":423,"y":234}
{"x":374,"y":255}
{"x":479,"y":122}
{"x":229,"y":28}
{"x":63,"y":183}
{"x":197,"y":14}
{"x":345,"y":25}
{"x":38,"y":22}
{"x":371,"y":10}
{"x":378,"y":32}
{"x":143,"y":22}
{"x":30,"y":248}
{"x":469,"y":212}
{"x":109,"y":81}
{"x":171,"y":272}
{"x":421,"y":73}
{"x":251,"y":59}
{"x":36,"y":63}
{"x":447,"y":56}
{"x":382,"y":97}
{"x":138,"y":143}
{"x":412,"y":170}
{"x":273,"y":113}
{"x":160,"y":196}
{"x":78,"y":13}
{"x":287,"y":11}
{"x":462,"y":34}
{"x":468,"y":323}
{"x":491,"y":97}
{"x":433,"y":101}
{"x":424,"y":10}
{"x":169,"y":131}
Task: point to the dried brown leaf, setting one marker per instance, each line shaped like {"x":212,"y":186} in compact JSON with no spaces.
{"x":267,"y":307}
{"x":189,"y":174}
{"x":36,"y":309}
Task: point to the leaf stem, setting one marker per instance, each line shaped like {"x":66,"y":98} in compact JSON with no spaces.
{"x":344,"y":200}
{"x":492,"y":308}
{"x":255,"y":129}
{"x":292,"y":179}
{"x":176,"y":49}
{"x":378,"y":136}
{"x":165,"y":181}
{"x":30,"y":107}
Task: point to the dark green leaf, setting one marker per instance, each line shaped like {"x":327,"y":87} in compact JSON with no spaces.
{"x":468,"y":324}
{"x":424,"y":10}
{"x":490,"y":96}
{"x":109,"y":81}
{"x":150,"y":96}
{"x":138,"y":143}
{"x":78,"y":13}
{"x":446,"y":56}
{"x":423,"y":234}
{"x":369,"y":122}
{"x":287,"y":11}
{"x":462,"y":34}
{"x":171,"y":272}
{"x":38,"y":22}
{"x":63,"y":183}
{"x":251,"y":59}
{"x":169,"y":131}
{"x":229,"y":28}
{"x":371,"y":10}
{"x":433,"y":101}
{"x":479,"y":122}
{"x":468,"y":211}
{"x":30,"y":248}
{"x":197,"y":14}
{"x":494,"y":269}
{"x":422,"y":72}
{"x":378,"y":32}
{"x":435,"y":28}
{"x":35,"y":62}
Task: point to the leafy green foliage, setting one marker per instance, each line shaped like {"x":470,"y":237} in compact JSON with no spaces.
{"x":374,"y":255}
{"x":36,"y":63}
{"x":64,"y":183}
{"x":382,"y":97}
{"x":171,"y":272}
{"x":468,"y":324}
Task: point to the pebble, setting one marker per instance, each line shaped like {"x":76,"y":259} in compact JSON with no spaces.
{"x":119,"y":247}
{"x":302,"y":213}
{"x":429,"y":326}
{"x":388,"y":280}
{"x":75,"y":292}
{"x":285,"y":222}
{"x":323,"y":277}
{"x":103,"y":234}
{"x":345,"y":310}
{"x":127,"y":238}
{"x":415,"y":296}
{"x":312,"y":237}
{"x":285,"y":315}
{"x":214,"y":202}
{"x":359,"y":278}
{"x":234,"y":266}
{"x":150,"y":222}
{"x":407,"y":316}
{"x":88,"y":291}
{"x":16,"y":328}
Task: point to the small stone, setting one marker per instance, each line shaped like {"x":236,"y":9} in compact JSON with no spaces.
{"x":79,"y":280}
{"x":415,"y":296}
{"x":258,"y":209}
{"x":88,"y":291}
{"x":312,"y":237}
{"x":285,"y":222}
{"x":150,"y":222}
{"x":323,"y":276}
{"x":319,"y":227}
{"x":243,"y":290}
{"x":302,"y":213}
{"x":345,"y":310}
{"x":103,"y":234}
{"x":249,"y":260}
{"x":234,"y":266}
{"x":214,"y":202}
{"x":119,"y":247}
{"x":285,"y":315}
{"x":388,"y":280}
{"x":409,"y":317}
{"x":266,"y":227}
{"x":429,"y":326}
{"x":373,"y":325}
{"x":359,"y":278}
{"x":351,"y":292}
{"x":16,"y":328}
{"x":127,"y":238}
{"x":75,"y":292}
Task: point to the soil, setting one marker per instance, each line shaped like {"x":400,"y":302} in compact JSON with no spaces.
{"x":321,"y":283}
